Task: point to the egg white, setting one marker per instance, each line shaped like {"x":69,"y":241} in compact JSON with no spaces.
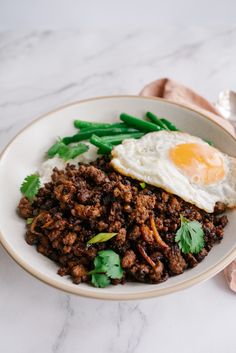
{"x":147,"y":159}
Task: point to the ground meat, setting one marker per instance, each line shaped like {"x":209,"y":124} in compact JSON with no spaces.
{"x":78,"y":271}
{"x":176,"y":262}
{"x":94,"y":174}
{"x":25,"y":209}
{"x":123,"y":191}
{"x":220,"y":207}
{"x":128,"y":259}
{"x":88,"y":211}
{"x":201,"y":255}
{"x":156,"y":273}
{"x":64,"y":192}
{"x":83,"y":201}
{"x":31,"y":238}
{"x":140,"y":272}
{"x":69,"y":238}
{"x":174,"y":205}
{"x":142,"y":206}
{"x":121,"y":236}
{"x":191,"y":260}
{"x":134,"y":233}
{"x":147,"y":234}
{"x":221,"y":221}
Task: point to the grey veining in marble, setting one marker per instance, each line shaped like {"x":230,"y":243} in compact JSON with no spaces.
{"x":40,"y":71}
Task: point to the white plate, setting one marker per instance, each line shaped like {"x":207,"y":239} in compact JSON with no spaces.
{"x":25,"y":153}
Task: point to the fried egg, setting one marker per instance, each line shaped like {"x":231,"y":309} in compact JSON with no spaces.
{"x":181,"y":164}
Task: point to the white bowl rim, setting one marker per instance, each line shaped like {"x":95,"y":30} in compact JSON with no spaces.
{"x":112,"y":296}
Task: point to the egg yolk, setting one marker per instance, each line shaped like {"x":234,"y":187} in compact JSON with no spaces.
{"x":201,"y":163}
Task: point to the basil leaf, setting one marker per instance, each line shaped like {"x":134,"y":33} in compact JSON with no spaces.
{"x":101,"y":237}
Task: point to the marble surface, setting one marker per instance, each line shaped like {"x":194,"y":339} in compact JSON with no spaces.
{"x":40,"y":71}
{"x":57,"y":14}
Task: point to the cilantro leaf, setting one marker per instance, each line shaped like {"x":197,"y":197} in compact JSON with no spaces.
{"x":101,"y":237}
{"x":100,"y":280}
{"x":107,"y":263}
{"x":143,"y":185}
{"x":30,"y":186}
{"x":109,"y":257}
{"x":115,"y":272}
{"x":197,"y":233}
{"x":98,"y":262}
{"x":100,"y":265}
{"x":190,"y":236}
{"x":112,"y":261}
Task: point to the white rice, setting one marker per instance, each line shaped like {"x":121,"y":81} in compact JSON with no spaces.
{"x":46,"y":168}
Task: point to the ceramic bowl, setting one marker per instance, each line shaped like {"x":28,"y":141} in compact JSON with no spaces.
{"x":25,"y":152}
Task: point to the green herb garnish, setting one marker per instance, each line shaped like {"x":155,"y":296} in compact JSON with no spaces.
{"x":190,"y":236}
{"x":66,"y":152}
{"x":70,"y":152}
{"x":55,"y":148}
{"x":101,"y":237}
{"x":30,"y":186}
{"x":100,"y":280}
{"x":107,"y":267}
{"x":29,"y":220}
{"x":143,"y":185}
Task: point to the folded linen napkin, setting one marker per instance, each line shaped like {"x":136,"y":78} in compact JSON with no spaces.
{"x":173,"y":91}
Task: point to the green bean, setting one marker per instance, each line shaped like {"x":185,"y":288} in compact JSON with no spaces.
{"x":85,"y":135}
{"x":113,"y":126}
{"x":155,"y":120}
{"x":54,"y":149}
{"x":169,"y":125}
{"x":100,"y":151}
{"x":80,"y":124}
{"x":117,"y":139}
{"x":139,"y":124}
{"x":104,"y":148}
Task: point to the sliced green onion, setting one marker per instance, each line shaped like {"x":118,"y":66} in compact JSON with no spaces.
{"x":101,"y":237}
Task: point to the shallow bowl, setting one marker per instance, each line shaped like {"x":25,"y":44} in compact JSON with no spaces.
{"x":25,"y":153}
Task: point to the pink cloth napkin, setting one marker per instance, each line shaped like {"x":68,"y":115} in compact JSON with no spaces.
{"x":173,"y":91}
